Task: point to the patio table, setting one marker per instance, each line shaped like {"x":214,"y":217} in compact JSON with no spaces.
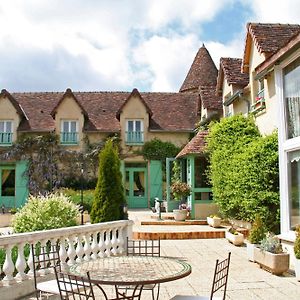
{"x":136,"y":271}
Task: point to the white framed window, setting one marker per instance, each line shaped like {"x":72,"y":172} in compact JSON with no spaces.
{"x":287,"y":78}
{"x":134,"y":131}
{"x":6,"y":132}
{"x":69,"y":132}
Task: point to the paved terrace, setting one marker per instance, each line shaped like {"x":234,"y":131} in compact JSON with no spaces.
{"x":246,"y":279}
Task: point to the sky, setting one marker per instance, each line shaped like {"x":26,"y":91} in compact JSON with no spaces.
{"x":118,"y":45}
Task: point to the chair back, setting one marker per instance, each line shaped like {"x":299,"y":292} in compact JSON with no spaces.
{"x":143,"y":247}
{"x":74,"y":287}
{"x":44,"y":257}
{"x":221,"y":276}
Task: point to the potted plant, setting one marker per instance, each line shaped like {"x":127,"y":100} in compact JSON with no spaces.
{"x":180,"y":190}
{"x":214,"y":221}
{"x":256,"y":235}
{"x":297,"y":253}
{"x":235,"y":237}
{"x":270,"y":255}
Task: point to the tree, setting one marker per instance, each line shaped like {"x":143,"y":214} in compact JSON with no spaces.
{"x":109,"y":198}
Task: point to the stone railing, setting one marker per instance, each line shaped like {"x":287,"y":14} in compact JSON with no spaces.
{"x":87,"y":242}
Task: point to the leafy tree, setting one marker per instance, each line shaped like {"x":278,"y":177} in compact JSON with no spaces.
{"x":244,"y":170}
{"x":109,"y":198}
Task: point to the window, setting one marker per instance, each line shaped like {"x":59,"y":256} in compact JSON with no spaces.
{"x":291,"y":75}
{"x":259,"y":103}
{"x":69,"y":132}
{"x":6,"y":132}
{"x":8,"y":178}
{"x":134,"y":132}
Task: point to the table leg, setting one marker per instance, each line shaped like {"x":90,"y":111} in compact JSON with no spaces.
{"x":136,"y":293}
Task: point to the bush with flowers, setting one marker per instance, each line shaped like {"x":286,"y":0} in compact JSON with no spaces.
{"x":180,"y":189}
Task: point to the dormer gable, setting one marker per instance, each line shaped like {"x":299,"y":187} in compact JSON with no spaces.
{"x":67,"y":96}
{"x":5,"y":94}
{"x":134,"y":95}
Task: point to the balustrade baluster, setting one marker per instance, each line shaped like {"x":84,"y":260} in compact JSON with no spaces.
{"x":120,"y":240}
{"x":63,"y":253}
{"x":79,"y":249}
{"x":71,"y":251}
{"x":30,"y":264}
{"x":43,"y":272}
{"x":108,"y":243}
{"x":87,"y":247}
{"x":114,"y":242}
{"x":21,"y":263}
{"x":95,"y":246}
{"x":101,"y":244}
{"x":8,"y":266}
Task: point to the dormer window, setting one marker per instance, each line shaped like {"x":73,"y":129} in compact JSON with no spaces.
{"x":69,"y":132}
{"x":6,"y":132}
{"x":259,"y":103}
{"x":134,"y":132}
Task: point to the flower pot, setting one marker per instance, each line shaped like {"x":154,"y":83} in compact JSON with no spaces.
{"x":214,"y":222}
{"x":297,"y":269}
{"x":250,"y":251}
{"x":235,"y":239}
{"x":274,"y":263}
{"x":180,"y":214}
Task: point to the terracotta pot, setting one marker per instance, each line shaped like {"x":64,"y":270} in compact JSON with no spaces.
{"x":274,"y":263}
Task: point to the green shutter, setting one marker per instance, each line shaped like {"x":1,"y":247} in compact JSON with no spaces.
{"x":21,"y":183}
{"x":155,"y":180}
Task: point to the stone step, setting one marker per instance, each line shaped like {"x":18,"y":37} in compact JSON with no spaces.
{"x":173,"y":222}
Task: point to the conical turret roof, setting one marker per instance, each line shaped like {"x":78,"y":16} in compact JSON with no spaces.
{"x":203,"y":72}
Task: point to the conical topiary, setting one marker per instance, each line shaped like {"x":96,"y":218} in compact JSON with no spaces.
{"x":297,"y":243}
{"x":257,"y":231}
{"x":109,"y":199}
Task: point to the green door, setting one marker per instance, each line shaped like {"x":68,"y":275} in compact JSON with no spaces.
{"x":136,"y":187}
{"x":7,"y":186}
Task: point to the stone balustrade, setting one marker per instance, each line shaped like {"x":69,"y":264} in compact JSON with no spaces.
{"x":77,"y":243}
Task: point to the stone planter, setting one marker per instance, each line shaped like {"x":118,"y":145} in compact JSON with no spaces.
{"x":235,"y":239}
{"x":250,"y":251}
{"x":274,"y":263}
{"x":297,"y":268}
{"x":180,"y":214}
{"x":214,"y":222}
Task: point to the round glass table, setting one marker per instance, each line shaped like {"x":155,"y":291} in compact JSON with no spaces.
{"x":135,"y":271}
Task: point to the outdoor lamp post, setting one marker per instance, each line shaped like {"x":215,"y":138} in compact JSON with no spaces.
{"x":81,"y":195}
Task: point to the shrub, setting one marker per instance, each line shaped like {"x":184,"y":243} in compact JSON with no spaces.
{"x":271,"y":243}
{"x":180,"y":189}
{"x":257,"y":231}
{"x":297,"y":243}
{"x":45,"y":212}
{"x":109,"y":198}
{"x":244,"y":171}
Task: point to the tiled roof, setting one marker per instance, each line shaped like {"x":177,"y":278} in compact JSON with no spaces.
{"x":230,"y":70}
{"x":268,"y":38}
{"x":195,"y":146}
{"x":203,"y":72}
{"x":170,"y":111}
{"x":209,"y":98}
{"x":271,"y":37}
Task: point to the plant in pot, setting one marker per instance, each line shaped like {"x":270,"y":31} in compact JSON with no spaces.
{"x":180,"y":190}
{"x":235,"y":237}
{"x":270,"y":255}
{"x":297,"y":253}
{"x":256,"y":235}
{"x":214,"y":221}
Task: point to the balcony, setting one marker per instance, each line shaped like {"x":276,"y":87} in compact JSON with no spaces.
{"x":6,"y":138}
{"x":134,"y":137}
{"x":69,"y":138}
{"x":260,"y":103}
{"x":77,"y":243}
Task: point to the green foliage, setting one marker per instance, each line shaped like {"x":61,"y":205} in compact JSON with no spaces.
{"x":244,"y":170}
{"x":109,"y":198}
{"x":159,"y":150}
{"x":257,"y":231}
{"x":75,"y":197}
{"x":297,"y":243}
{"x":45,"y":212}
{"x":271,"y":243}
{"x":180,"y":189}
